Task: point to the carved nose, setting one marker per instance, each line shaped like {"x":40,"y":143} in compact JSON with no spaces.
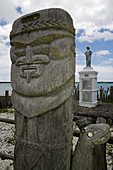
{"x":29,"y":55}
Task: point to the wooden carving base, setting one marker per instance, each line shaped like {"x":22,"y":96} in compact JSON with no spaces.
{"x":44,"y":142}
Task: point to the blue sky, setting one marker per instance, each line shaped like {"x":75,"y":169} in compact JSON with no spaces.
{"x":93,"y":21}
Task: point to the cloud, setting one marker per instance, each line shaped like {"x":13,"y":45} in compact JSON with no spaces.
{"x":96,"y":35}
{"x":4,"y":52}
{"x":105,"y":73}
{"x":81,"y":11}
{"x":8,"y":10}
{"x":79,"y":53}
{"x":102,"y":53}
{"x":5,"y":31}
{"x":4,"y":43}
{"x":78,"y":68}
{"x":80,"y":57}
{"x":5,"y":62}
{"x":109,"y":61}
{"x":91,"y":16}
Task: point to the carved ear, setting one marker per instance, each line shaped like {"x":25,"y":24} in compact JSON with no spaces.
{"x":13,"y":55}
{"x":61,"y":48}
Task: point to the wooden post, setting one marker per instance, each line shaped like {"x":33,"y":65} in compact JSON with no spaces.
{"x":107,"y":92}
{"x":111,"y":92}
{"x":6,"y":97}
{"x":103,"y":96}
{"x":90,"y":150}
{"x":101,"y":91}
{"x":42,"y":75}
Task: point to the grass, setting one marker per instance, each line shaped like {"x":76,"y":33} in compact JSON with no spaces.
{"x":110,"y":122}
{"x":6,"y":109}
{"x":106,"y":101}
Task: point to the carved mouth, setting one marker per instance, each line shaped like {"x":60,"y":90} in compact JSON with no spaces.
{"x":29,"y":72}
{"x":103,"y":138}
{"x":29,"y":68}
{"x":105,"y":135}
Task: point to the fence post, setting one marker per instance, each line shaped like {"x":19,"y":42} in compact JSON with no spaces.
{"x":77,"y":92}
{"x":111,"y":92}
{"x":6,"y":97}
{"x":101,"y":91}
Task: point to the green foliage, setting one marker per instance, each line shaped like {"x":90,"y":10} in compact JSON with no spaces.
{"x":10,"y":111}
{"x":6,"y":110}
{"x":105,"y":101}
{"x":108,"y":101}
{"x":110,"y":122}
{"x":75,"y":98}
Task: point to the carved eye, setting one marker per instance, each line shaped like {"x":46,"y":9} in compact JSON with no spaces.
{"x":41,"y":59}
{"x":90,"y":134}
{"x":20,"y":61}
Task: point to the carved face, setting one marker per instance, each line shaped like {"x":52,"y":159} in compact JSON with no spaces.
{"x":30,"y":60}
{"x":41,"y":68}
{"x":98,"y":133}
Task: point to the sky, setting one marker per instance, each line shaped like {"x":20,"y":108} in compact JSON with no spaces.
{"x":93,"y":21}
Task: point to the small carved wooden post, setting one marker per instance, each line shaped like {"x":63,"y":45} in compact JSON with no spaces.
{"x":6,"y":98}
{"x":89,"y":151}
{"x":42,"y":77}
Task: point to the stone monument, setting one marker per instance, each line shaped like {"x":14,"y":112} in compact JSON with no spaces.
{"x":42,"y":78}
{"x":88,"y":83}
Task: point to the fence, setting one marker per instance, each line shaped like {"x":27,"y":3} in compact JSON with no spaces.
{"x":102,"y":94}
{"x":5,"y":100}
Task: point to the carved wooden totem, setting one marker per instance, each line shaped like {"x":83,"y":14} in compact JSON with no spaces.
{"x":42,"y":78}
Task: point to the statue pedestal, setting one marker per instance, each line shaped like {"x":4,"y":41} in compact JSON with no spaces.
{"x":88,"y":87}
